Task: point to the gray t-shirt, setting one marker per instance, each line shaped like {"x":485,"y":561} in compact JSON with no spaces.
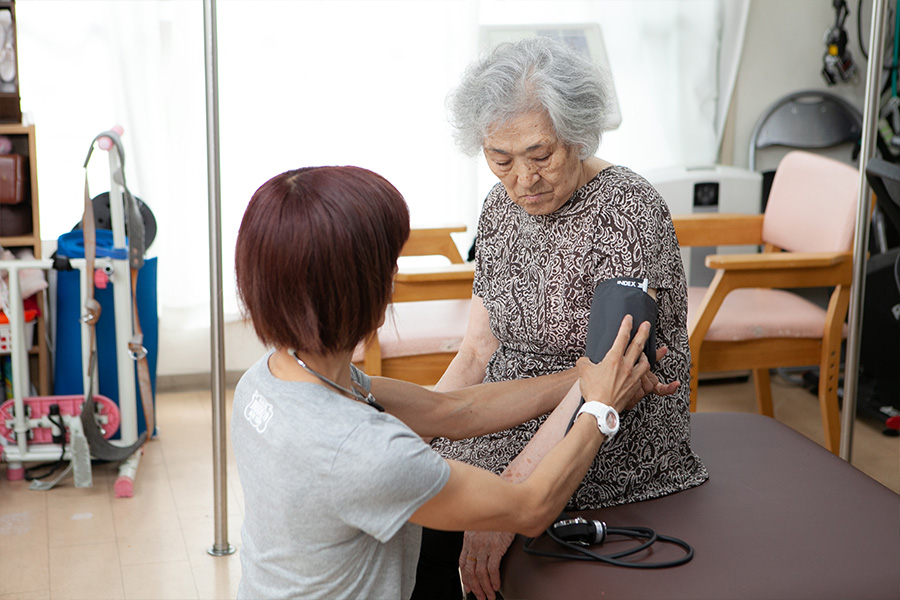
{"x":329,"y":485}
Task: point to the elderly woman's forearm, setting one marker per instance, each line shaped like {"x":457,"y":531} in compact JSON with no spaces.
{"x":478,"y":345}
{"x":463,"y":371}
{"x":548,"y":435}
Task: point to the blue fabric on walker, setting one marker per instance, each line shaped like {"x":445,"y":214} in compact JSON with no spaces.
{"x":71,"y":245}
{"x":67,"y":358}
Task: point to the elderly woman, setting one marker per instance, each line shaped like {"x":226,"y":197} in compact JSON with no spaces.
{"x":337,"y":479}
{"x":559,"y":222}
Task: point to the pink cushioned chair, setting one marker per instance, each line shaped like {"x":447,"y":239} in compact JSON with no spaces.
{"x":742,"y":321}
{"x":427,"y":318}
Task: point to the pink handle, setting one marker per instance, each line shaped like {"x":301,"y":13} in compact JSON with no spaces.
{"x":105,"y":143}
{"x":100,"y":279}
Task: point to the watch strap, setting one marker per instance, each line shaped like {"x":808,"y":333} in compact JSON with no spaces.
{"x":601,"y":412}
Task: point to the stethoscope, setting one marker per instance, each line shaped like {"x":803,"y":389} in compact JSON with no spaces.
{"x":353,"y":394}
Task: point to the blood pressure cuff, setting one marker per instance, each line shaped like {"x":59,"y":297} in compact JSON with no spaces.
{"x":613,"y":299}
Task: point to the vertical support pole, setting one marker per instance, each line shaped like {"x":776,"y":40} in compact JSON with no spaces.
{"x":19,"y":357}
{"x":861,"y":240}
{"x":220,"y":547}
{"x":122,"y":309}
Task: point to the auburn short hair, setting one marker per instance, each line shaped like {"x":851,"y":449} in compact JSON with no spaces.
{"x":315,"y":257}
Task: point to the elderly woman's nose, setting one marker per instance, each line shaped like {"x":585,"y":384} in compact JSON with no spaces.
{"x":526,"y":174}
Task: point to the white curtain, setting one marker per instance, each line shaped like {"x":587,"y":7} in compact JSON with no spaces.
{"x":325,"y":82}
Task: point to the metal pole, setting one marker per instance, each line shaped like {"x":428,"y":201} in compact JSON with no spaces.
{"x":861,"y":240}
{"x":220,"y":547}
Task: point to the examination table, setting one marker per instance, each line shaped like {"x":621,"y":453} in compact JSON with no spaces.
{"x":780,"y":517}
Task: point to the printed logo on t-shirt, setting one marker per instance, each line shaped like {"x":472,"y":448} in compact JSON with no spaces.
{"x":258,"y":412}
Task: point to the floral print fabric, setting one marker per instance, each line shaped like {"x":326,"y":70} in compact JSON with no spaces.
{"x":536,"y":275}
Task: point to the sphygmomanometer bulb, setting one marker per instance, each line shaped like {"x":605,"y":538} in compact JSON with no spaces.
{"x":580,"y":531}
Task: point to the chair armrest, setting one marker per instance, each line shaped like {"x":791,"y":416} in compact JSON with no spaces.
{"x":439,"y":231}
{"x":718,"y":229}
{"x":785,"y":269}
{"x":444,"y":283}
{"x":777,"y":260}
{"x":434,"y":241}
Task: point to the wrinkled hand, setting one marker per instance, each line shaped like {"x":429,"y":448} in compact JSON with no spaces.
{"x":617,"y":379}
{"x":479,"y":561}
{"x":650,"y":383}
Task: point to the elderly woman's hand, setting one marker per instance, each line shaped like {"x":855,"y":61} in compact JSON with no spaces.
{"x":479,"y":561}
{"x":650,"y":383}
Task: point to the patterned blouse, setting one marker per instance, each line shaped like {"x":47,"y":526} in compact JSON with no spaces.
{"x":536,"y":275}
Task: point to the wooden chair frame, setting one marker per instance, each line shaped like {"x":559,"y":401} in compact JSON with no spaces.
{"x":769,"y":269}
{"x":415,"y":284}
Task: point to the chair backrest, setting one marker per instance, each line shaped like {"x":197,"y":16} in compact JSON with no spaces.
{"x":812,"y":205}
{"x":806,"y":120}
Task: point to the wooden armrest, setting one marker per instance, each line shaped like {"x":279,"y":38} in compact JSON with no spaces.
{"x":435,"y":241}
{"x":718,"y":229}
{"x":777,"y":260}
{"x":447,"y":229}
{"x":783,"y":269}
{"x":446,"y":272}
{"x":448,"y":282}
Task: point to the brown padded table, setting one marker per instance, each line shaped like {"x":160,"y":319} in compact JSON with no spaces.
{"x":780,"y":517}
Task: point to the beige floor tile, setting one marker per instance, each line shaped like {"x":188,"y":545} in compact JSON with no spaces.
{"x":217,"y":577}
{"x":15,"y":495}
{"x":23,"y":567}
{"x":153,"y":546}
{"x":84,"y":517}
{"x":200,"y":537}
{"x":159,"y":581}
{"x":152,"y":508}
{"x":151,"y":452}
{"x":194,"y":493}
{"x":102,"y":478}
{"x":885,"y":470}
{"x":151,"y":481}
{"x":21,"y":523}
{"x":185,"y":410}
{"x":41,"y":595}
{"x":86,"y":572}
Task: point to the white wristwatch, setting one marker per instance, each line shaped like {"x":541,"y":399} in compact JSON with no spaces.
{"x":607,"y":417}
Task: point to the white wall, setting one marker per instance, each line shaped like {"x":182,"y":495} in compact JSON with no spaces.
{"x":783,"y":51}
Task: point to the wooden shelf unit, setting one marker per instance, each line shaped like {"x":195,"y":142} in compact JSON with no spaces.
{"x":23,"y":140}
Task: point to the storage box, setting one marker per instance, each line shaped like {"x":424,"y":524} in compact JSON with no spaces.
{"x":12,"y":178}
{"x":6,"y":337}
{"x":16,"y":219}
{"x":6,"y":334}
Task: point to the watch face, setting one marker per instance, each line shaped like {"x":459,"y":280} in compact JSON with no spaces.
{"x":612,"y":420}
